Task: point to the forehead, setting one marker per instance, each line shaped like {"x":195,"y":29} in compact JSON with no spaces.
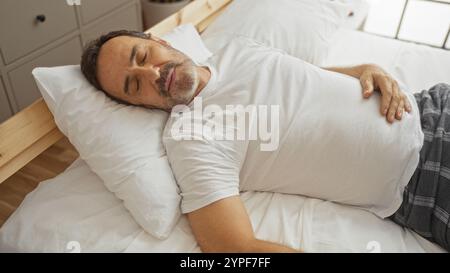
{"x":118,"y":50}
{"x":113,"y":59}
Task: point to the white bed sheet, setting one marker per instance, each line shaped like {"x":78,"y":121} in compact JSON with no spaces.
{"x":417,"y":67}
{"x":75,"y":206}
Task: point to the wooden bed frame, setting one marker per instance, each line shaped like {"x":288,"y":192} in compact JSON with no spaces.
{"x":31,"y":131}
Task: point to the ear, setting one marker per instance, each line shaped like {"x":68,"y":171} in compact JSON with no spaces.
{"x":161,"y":41}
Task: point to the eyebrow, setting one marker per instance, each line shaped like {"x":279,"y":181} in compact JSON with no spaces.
{"x":127,"y":79}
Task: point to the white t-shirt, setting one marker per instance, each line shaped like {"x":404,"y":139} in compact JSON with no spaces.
{"x":332,"y":143}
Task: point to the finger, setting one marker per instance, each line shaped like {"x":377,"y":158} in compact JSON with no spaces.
{"x":403,"y":97}
{"x":400,"y":109}
{"x":386,"y":93}
{"x":396,"y":91}
{"x":367,"y":85}
{"x":393,"y":106}
{"x":408,"y":107}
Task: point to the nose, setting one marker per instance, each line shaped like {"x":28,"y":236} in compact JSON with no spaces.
{"x":149,"y":72}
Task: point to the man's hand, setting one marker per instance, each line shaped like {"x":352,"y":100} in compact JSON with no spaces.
{"x":393,"y":101}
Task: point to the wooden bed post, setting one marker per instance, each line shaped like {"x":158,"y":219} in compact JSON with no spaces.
{"x":31,"y":131}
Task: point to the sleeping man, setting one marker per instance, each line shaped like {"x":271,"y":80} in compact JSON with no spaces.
{"x":344,"y":135}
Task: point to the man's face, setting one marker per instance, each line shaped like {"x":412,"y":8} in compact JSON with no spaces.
{"x":146,"y":72}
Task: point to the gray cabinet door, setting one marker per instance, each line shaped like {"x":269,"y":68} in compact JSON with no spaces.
{"x":21,"y":31}
{"x":25,"y":89}
{"x":126,"y":19}
{"x":5,"y":110}
{"x":92,"y":9}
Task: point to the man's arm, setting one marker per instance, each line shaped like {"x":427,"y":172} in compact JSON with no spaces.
{"x":354,"y":71}
{"x":372,"y":77}
{"x":224,"y":226}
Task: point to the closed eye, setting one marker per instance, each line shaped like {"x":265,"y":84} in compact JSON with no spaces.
{"x":144,"y":59}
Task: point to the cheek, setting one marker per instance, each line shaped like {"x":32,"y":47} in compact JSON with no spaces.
{"x":149,"y":96}
{"x":162,"y":55}
{"x":174,"y":56}
{"x":186,"y":79}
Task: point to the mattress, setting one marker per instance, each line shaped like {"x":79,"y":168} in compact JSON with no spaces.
{"x":75,"y":209}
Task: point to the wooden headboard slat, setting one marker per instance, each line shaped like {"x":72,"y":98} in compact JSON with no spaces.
{"x":31,"y":131}
{"x":15,"y":132}
{"x":193,"y":13}
{"x":201,"y":26}
{"x":12,"y":166}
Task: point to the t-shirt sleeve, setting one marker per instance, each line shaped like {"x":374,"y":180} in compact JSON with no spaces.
{"x":206,"y":170}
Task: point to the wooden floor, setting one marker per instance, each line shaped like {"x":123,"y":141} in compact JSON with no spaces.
{"x":47,"y":165}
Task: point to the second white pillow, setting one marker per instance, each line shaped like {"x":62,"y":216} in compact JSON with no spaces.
{"x":302,"y":28}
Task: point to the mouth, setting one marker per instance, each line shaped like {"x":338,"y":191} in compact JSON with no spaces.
{"x":170,"y":79}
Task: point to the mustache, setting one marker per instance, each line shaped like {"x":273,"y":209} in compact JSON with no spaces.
{"x":161,"y":82}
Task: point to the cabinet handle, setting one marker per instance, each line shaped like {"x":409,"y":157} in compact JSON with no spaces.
{"x":41,"y":18}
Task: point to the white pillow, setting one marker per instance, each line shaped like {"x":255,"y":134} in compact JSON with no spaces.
{"x":302,"y":28}
{"x":359,"y":9}
{"x":186,"y":39}
{"x":121,"y":144}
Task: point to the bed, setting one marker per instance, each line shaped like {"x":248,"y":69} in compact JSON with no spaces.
{"x":75,"y":212}
{"x":76,"y":207}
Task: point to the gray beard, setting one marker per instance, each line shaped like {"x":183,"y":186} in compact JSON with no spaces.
{"x":185,"y":88}
{"x":185,"y":85}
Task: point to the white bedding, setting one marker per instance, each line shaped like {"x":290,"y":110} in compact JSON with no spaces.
{"x":418,"y":67}
{"x":76,"y":206}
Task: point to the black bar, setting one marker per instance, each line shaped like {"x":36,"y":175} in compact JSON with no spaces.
{"x":198,"y":262}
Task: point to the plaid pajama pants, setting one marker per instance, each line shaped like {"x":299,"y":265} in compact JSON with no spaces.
{"x":426,"y":199}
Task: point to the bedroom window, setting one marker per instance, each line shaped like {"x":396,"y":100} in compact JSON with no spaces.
{"x":420,"y":21}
